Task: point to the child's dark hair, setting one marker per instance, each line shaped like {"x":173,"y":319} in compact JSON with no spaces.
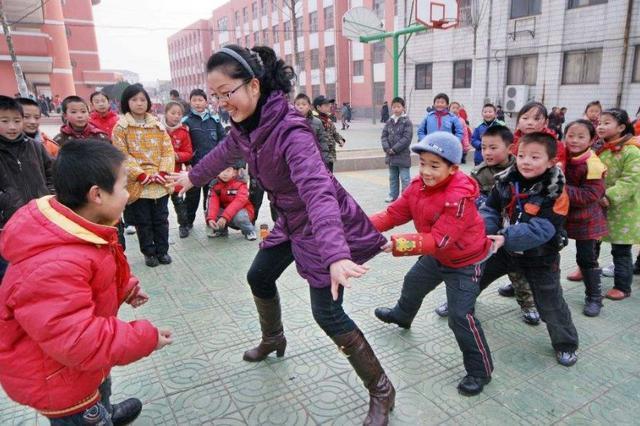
{"x":174,"y":93}
{"x":83,"y":164}
{"x":258,"y":62}
{"x":622,"y":117}
{"x":27,"y":102}
{"x":502,"y":132}
{"x":441,"y":96}
{"x":398,"y":100}
{"x":10,"y":104}
{"x":72,"y":99}
{"x":172,"y":104}
{"x":98,"y":93}
{"x":549,"y":142}
{"x":198,"y":92}
{"x":302,"y":96}
{"x":129,"y":93}
{"x":542,"y":110}
{"x":489,"y":105}
{"x":582,"y":122}
{"x":593,"y":103}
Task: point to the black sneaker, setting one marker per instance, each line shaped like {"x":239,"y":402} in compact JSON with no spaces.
{"x":566,"y":358}
{"x":164,"y":259}
{"x":183,"y":231}
{"x":530,"y":316}
{"x":151,"y":261}
{"x":387,"y":315}
{"x":471,"y":385}
{"x":506,"y":291}
{"x":126,"y":411}
{"x":442,"y":310}
{"x":592,"y":307}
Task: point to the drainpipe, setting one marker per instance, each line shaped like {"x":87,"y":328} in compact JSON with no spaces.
{"x":486,"y":77}
{"x":625,"y":48}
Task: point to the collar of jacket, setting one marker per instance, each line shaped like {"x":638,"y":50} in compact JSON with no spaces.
{"x":22,"y":138}
{"x":618,"y":144}
{"x":551,"y":183}
{"x":438,"y":186}
{"x":74,"y":224}
{"x":149,"y":121}
{"x":107,"y":115}
{"x":88,"y":131}
{"x":204,"y":115}
{"x":171,"y":128}
{"x":277,"y":105}
{"x":396,"y":118}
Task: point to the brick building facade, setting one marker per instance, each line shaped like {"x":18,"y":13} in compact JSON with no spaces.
{"x":189,"y":50}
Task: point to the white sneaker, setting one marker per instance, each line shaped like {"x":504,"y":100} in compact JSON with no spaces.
{"x":130,"y":230}
{"x":211,"y":233}
{"x":251,"y":236}
{"x":608,"y":271}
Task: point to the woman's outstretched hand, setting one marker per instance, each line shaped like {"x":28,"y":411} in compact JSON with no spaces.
{"x":180,"y":179}
{"x":341,"y":271}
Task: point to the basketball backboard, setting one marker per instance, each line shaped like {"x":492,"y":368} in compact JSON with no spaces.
{"x":437,"y":13}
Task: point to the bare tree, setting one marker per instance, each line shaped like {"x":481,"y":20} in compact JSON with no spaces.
{"x":22,"y":84}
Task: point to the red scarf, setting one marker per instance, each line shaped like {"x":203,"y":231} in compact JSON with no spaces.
{"x":88,"y":131}
{"x":439,"y":115}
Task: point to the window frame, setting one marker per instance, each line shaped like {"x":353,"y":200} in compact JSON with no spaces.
{"x":521,"y":57}
{"x":360,"y":65}
{"x":635,"y":65}
{"x":328,"y":20}
{"x":571,"y":3}
{"x":582,"y":66}
{"x":428,"y":82}
{"x":468,"y":68}
{"x":529,"y":11}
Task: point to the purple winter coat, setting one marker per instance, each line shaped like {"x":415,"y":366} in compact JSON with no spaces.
{"x":322,"y":221}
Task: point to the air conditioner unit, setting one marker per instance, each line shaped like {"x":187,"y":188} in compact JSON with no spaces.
{"x":515,"y":97}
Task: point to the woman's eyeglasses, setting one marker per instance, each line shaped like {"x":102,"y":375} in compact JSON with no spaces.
{"x":226,"y":97}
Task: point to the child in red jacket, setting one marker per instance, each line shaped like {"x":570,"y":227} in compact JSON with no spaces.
{"x":229,"y":205}
{"x":102,"y":116}
{"x":60,"y":296}
{"x":181,"y":141}
{"x":453,"y":247}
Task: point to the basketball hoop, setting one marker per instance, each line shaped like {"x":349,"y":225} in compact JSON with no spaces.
{"x":440,"y":14}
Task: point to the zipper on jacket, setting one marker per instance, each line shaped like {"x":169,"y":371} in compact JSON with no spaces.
{"x":19,"y":164}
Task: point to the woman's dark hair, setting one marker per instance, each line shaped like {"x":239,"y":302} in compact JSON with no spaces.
{"x":129,"y":93}
{"x":533,"y":105}
{"x":98,"y":93}
{"x":622,"y":117}
{"x":83,"y":164}
{"x":441,"y":96}
{"x":582,"y":122}
{"x":593,"y":103}
{"x":272,"y":73}
{"x":302,"y":96}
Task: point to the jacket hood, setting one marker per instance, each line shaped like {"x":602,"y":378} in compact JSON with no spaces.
{"x":43,"y":224}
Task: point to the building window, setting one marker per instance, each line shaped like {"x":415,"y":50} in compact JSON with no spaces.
{"x":379,"y":50}
{"x":222,"y":24}
{"x":245,"y":14}
{"x":358,"y":68}
{"x":256,"y":38}
{"x":315,"y":91}
{"x":254,"y":9}
{"x":520,"y":8}
{"x":237,"y":15}
{"x":522,"y":70}
{"x":328,"y":17}
{"x":331,"y":90}
{"x":378,"y":92}
{"x":330,"y":56}
{"x":581,"y":3}
{"x":299,"y":25}
{"x":287,"y":30}
{"x":424,"y":76}
{"x":635,"y":73}
{"x":300,"y":60}
{"x":464,"y":14}
{"x":313,"y":22}
{"x":265,"y":36}
{"x":582,"y":67}
{"x":462,"y":74}
{"x":276,"y":34}
{"x":246,"y":41}
{"x":288,"y":59}
{"x":315,"y":59}
{"x":378,"y":8}
{"x":263,"y":7}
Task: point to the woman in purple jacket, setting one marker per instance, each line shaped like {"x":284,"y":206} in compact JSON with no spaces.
{"x":319,"y":225}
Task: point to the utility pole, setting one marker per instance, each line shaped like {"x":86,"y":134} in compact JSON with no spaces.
{"x":22,"y":84}
{"x":291,"y":5}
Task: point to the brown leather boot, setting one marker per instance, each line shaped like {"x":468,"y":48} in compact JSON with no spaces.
{"x":382,"y":395}
{"x":272,"y":332}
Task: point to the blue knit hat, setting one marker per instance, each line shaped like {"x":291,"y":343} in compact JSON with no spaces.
{"x":443,"y":144}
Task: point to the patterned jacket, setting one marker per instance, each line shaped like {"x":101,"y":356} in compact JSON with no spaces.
{"x":333,"y":137}
{"x":149,"y":152}
{"x":585,"y":186}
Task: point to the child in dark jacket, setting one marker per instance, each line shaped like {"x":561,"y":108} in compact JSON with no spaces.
{"x":206,"y":133}
{"x":496,"y":141}
{"x":181,"y":141}
{"x":524,"y":214}
{"x":75,"y":113}
{"x":303,"y":105}
{"x":586,"y":222}
{"x":488,"y":119}
{"x":396,"y":138}
{"x":31,"y":126}
{"x":453,"y":247}
{"x":322,"y":105}
{"x":229,"y":205}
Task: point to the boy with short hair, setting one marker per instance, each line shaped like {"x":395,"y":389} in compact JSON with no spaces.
{"x":206,"y":133}
{"x":31,"y":126}
{"x":488,"y":119}
{"x":453,"y":247}
{"x":396,"y":139}
{"x":440,"y":119}
{"x":25,"y":166}
{"x":496,"y":142}
{"x":229,"y":205}
{"x":75,"y":114}
{"x":60,"y":297}
{"x":525,"y":214}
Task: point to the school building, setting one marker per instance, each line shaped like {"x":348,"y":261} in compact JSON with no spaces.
{"x":562,"y":53}
{"x":55,"y":44}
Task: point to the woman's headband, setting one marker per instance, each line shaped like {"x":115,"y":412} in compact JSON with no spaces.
{"x":235,"y":55}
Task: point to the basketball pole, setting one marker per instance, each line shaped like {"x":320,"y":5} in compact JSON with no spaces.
{"x":396,"y":48}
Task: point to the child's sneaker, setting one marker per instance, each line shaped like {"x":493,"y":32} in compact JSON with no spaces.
{"x":442,"y":310}
{"x":151,"y":261}
{"x":506,"y":291}
{"x":251,"y":236}
{"x":183,"y":231}
{"x":608,"y":271}
{"x":566,"y":358}
{"x":126,"y":411}
{"x":530,"y":316}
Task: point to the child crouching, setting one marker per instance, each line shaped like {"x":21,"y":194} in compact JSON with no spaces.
{"x":60,"y":297}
